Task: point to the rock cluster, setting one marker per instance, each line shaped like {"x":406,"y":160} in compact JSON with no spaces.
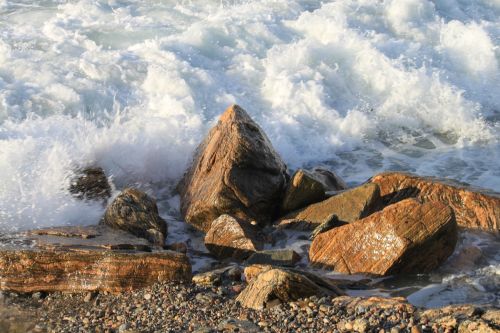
{"x":237,"y":185}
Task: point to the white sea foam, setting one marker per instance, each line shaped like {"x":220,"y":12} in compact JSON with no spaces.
{"x":361,"y":86}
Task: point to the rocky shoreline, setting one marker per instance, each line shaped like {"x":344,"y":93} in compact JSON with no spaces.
{"x":121,"y":275}
{"x":201,"y":308}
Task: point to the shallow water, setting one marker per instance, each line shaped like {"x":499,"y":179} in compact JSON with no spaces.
{"x":133,"y":86}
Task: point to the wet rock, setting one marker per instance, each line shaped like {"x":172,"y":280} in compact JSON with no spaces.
{"x":307,"y":187}
{"x":91,"y":184}
{"x":177,"y":247}
{"x":325,"y":226}
{"x":217,"y":276}
{"x":466,"y":259}
{"x":296,"y":224}
{"x":84,"y":232}
{"x":284,"y":257}
{"x":135,"y":212}
{"x":282,"y":285}
{"x":474,"y":208}
{"x":88,"y":270}
{"x":407,"y":237}
{"x":348,"y":206}
{"x":235,"y":171}
{"x":230,"y":237}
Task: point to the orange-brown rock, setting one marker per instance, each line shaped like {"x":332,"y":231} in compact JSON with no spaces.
{"x":282,"y":286}
{"x":250,"y":272}
{"x":474,"y":208}
{"x":136,"y":212}
{"x":348,"y":206}
{"x":88,"y":258}
{"x":235,"y":171}
{"x":88,"y":270}
{"x":230,"y":237}
{"x":406,"y":237}
{"x":307,"y":187}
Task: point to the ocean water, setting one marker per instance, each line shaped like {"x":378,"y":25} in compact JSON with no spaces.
{"x":359,"y":86}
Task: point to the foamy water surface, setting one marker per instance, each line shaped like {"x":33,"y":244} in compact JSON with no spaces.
{"x":133,"y":86}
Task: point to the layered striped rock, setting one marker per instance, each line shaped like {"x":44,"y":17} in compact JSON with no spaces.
{"x":76,"y":259}
{"x":235,"y":171}
{"x":474,"y":208}
{"x":406,"y":237}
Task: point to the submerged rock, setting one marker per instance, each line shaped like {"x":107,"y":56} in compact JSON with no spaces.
{"x":474,"y":208}
{"x":407,"y":237}
{"x":280,"y":257}
{"x":235,"y":171}
{"x":307,"y":187}
{"x":91,"y":184}
{"x":279,"y":286}
{"x":135,"y":212}
{"x":230,"y":237}
{"x":348,"y":206}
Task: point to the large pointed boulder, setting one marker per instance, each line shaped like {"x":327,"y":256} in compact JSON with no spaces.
{"x":474,"y":208}
{"x":406,"y":237}
{"x":235,"y":171}
{"x":136,"y":212}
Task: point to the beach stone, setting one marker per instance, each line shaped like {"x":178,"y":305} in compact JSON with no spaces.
{"x":29,"y":271}
{"x":90,"y":184}
{"x":474,"y":208}
{"x":280,"y":284}
{"x":407,"y":237}
{"x":136,"y":212}
{"x":348,"y":206}
{"x":237,"y":325}
{"x":250,"y":272}
{"x":307,"y":187}
{"x":231,"y":237}
{"x":235,"y":171}
{"x":284,"y":257}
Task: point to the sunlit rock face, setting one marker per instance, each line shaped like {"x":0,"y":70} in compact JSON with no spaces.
{"x":235,"y":171}
{"x":473,"y":207}
{"x":407,"y":237}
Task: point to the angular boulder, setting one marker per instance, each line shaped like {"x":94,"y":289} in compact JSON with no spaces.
{"x":406,"y":237}
{"x":348,"y":206}
{"x":230,"y":237}
{"x":235,"y":171}
{"x":77,"y":259}
{"x":89,"y":270}
{"x":91,"y":184}
{"x":474,"y":208}
{"x":280,"y":286}
{"x":307,"y":187}
{"x":135,"y":212}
